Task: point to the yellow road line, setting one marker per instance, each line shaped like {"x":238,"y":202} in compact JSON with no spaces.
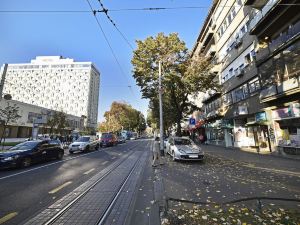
{"x":104,"y":162}
{"x":89,"y":171}
{"x":8,"y":217}
{"x":60,"y":187}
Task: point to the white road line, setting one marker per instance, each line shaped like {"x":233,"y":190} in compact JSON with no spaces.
{"x":89,"y":171}
{"x":285,"y":172}
{"x":104,"y":162}
{"x":60,"y":187}
{"x":50,"y":164}
{"x":113,"y":157}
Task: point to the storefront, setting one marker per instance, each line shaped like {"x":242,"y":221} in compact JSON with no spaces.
{"x":260,"y":134}
{"x":214,"y":133}
{"x":286,"y":123}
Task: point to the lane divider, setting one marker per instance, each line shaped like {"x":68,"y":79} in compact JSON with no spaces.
{"x":8,"y":217}
{"x":89,"y":171}
{"x":104,"y":163}
{"x":60,"y":187}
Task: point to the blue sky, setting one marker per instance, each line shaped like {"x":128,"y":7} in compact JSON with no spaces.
{"x":24,"y":36}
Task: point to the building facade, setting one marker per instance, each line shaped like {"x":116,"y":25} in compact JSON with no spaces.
{"x":30,"y":115}
{"x":56,"y":83}
{"x":252,"y":44}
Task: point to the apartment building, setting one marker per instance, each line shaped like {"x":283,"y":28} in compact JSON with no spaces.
{"x":56,"y":83}
{"x":276,"y":24}
{"x":254,"y":47}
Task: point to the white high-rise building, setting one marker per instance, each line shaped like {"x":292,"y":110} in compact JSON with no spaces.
{"x":56,"y":83}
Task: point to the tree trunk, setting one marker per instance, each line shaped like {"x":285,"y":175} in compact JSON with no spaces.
{"x":178,"y":131}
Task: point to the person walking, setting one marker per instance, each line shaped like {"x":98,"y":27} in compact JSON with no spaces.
{"x":156,"y":153}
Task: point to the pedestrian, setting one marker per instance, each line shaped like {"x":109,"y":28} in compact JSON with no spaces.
{"x":156,"y":153}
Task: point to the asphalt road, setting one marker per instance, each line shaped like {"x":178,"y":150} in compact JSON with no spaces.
{"x":227,"y":176}
{"x":26,"y":192}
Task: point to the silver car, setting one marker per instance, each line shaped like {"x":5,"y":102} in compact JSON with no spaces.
{"x":183,"y":148}
{"x":84,"y":144}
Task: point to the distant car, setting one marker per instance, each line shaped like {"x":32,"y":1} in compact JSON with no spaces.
{"x":121,"y":139}
{"x":29,"y":152}
{"x":183,"y":148}
{"x":84,"y":144}
{"x":108,"y":139}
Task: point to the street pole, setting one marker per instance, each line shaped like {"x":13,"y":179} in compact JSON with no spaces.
{"x":160,"y":111}
{"x":2,"y":80}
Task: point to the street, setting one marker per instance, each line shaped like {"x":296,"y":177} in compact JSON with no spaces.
{"x":117,"y":185}
{"x":26,"y":192}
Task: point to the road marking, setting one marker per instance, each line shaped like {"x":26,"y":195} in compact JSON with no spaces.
{"x":8,"y":217}
{"x":50,"y":164}
{"x":89,"y":171}
{"x":60,"y":187}
{"x":104,"y":162}
{"x":113,"y":157}
{"x":285,"y":172}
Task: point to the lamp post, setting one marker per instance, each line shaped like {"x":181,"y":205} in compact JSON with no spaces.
{"x":160,"y":111}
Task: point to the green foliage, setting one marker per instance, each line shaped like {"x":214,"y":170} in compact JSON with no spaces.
{"x":122,"y":115}
{"x":182,"y":76}
{"x":57,"y":120}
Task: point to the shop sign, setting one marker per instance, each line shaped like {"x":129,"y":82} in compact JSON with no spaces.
{"x":261,"y":116}
{"x":227,"y":123}
{"x":291,"y":111}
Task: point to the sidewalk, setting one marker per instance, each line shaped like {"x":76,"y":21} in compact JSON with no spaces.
{"x":254,"y":151}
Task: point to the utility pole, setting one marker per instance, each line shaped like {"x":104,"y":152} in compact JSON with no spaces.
{"x":2,"y":80}
{"x":160,"y":111}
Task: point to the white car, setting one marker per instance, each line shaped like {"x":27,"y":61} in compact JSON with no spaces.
{"x":183,"y":148}
{"x":84,"y":143}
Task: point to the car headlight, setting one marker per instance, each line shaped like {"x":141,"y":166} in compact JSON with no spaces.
{"x":10,"y":158}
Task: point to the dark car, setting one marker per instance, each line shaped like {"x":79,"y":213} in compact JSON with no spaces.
{"x":108,"y":139}
{"x":29,"y":152}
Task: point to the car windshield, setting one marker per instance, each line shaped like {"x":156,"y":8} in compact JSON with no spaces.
{"x":83,"y":139}
{"x":106,"y":136}
{"x":182,"y":142}
{"x":25,"y":145}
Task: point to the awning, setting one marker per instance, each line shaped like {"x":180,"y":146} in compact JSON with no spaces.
{"x":257,"y":123}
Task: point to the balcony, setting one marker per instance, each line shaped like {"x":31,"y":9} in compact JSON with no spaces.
{"x":275,"y":91}
{"x":247,"y":73}
{"x":257,"y":4}
{"x":279,"y":42}
{"x":273,"y":17}
{"x":239,"y":46}
{"x":211,"y":51}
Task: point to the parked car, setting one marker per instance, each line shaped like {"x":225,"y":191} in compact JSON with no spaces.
{"x":121,"y":139}
{"x":108,"y":139}
{"x":84,"y":144}
{"x":183,"y":148}
{"x":29,"y":152}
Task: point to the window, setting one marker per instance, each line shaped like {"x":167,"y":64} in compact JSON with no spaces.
{"x":231,"y":72}
{"x":238,"y":94}
{"x":248,"y":58}
{"x":246,"y":90}
{"x":254,"y":85}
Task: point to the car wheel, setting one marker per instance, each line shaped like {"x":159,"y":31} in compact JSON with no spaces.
{"x":26,"y":162}
{"x":97,"y":147}
{"x":71,"y":152}
{"x":173,"y":156}
{"x":60,"y":155}
{"x":87,"y":148}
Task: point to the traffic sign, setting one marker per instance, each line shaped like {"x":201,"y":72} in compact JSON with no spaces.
{"x":192,"y":121}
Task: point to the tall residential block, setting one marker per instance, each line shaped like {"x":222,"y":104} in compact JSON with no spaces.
{"x":56,"y":83}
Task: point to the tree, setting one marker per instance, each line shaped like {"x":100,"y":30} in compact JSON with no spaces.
{"x":7,"y":115}
{"x":122,"y":115}
{"x":57,"y":120}
{"x":182,"y":76}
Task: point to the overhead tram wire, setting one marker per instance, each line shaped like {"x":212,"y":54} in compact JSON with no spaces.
{"x":130,"y":9}
{"x":110,"y":47}
{"x":105,"y":10}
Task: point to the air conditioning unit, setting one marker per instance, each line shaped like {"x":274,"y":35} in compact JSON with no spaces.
{"x":240,"y":73}
{"x":238,"y":42}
